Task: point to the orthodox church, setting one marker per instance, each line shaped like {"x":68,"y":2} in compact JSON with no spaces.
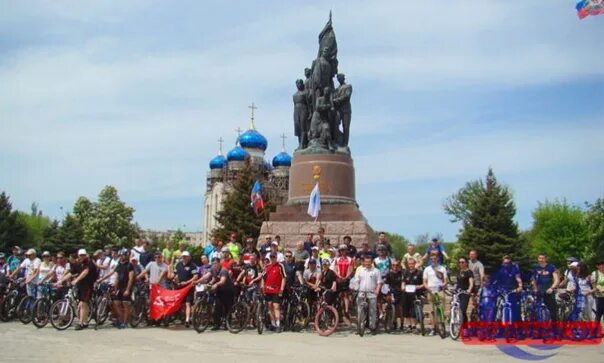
{"x":250,"y":147}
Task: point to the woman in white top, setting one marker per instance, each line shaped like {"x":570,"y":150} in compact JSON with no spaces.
{"x":39,"y":275}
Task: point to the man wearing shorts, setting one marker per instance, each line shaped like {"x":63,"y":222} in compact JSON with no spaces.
{"x":273,"y":284}
{"x":124,"y":275}
{"x":435,"y":281}
{"x":85,"y":273}
{"x":186,"y":271}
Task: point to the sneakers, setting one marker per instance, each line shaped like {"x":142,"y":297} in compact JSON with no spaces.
{"x":215,"y":328}
{"x":432,"y":333}
{"x":187,"y":324}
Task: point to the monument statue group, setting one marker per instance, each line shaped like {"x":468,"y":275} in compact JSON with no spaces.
{"x":321,"y":113}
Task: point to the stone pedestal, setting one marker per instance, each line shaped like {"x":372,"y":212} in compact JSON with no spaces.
{"x":336,"y":184}
{"x":340,"y":214}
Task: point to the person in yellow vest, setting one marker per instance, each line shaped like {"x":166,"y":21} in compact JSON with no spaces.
{"x":233,"y":246}
{"x":177,"y":254}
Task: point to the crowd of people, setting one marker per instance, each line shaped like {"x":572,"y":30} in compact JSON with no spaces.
{"x":268,"y":268}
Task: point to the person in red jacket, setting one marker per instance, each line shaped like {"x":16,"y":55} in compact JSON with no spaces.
{"x":273,"y":283}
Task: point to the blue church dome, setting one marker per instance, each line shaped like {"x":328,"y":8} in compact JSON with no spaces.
{"x":282,"y":159}
{"x":218,"y":162}
{"x":237,"y":154}
{"x":252,"y":139}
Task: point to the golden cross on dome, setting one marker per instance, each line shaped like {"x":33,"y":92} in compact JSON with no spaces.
{"x":238,"y":130}
{"x":253,"y":107}
{"x":220,"y":141}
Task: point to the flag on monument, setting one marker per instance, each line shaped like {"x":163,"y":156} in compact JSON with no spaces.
{"x":166,"y":302}
{"x":589,"y":7}
{"x":314,"y":204}
{"x":256,"y":197}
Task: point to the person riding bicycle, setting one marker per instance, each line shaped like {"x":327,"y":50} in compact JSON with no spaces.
{"x":545,"y":281}
{"x":597,"y":280}
{"x":343,"y":267}
{"x":465,"y":283}
{"x":42,"y":273}
{"x":328,"y":282}
{"x":509,"y":279}
{"x":394,"y":280}
{"x":222,"y":284}
{"x":186,"y":273}
{"x":370,"y":284}
{"x":435,"y":280}
{"x":125,"y":279}
{"x":382,"y":262}
{"x":156,"y":271}
{"x":60,"y":268}
{"x":85,"y":274}
{"x":29,"y":265}
{"x":273,"y":284}
{"x":312,"y":280}
{"x":580,"y":285}
{"x":412,"y":285}
{"x":249,"y":278}
{"x":15,"y":259}
{"x":4,"y":273}
{"x":436,"y":247}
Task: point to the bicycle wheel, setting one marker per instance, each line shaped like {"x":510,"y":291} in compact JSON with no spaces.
{"x":260,"y":317}
{"x":62,"y":314}
{"x":40,"y":313}
{"x":326,"y":320}
{"x":361,"y":317}
{"x":102,"y":310}
{"x":202,"y":316}
{"x":388,"y":318}
{"x":455,"y":322}
{"x":300,"y":316}
{"x":440,"y":325}
{"x":138,"y":309}
{"x":419,"y":316}
{"x":238,"y":317}
{"x":25,"y":309}
{"x":2,"y":315}
{"x":544,"y":315}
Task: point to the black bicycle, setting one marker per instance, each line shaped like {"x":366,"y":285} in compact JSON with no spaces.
{"x":203,"y":310}
{"x":41,"y":308}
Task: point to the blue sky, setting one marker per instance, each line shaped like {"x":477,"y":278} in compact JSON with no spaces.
{"x":135,"y":94}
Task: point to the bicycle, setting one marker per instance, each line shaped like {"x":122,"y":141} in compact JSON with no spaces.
{"x":63,"y":311}
{"x":362,"y":313}
{"x":439,"y":315}
{"x":202,"y":312}
{"x":504,"y":307}
{"x":25,"y":307}
{"x":296,"y":310}
{"x":262,"y":318}
{"x":455,"y":314}
{"x":41,"y":308}
{"x":420,"y":316}
{"x":16,"y":291}
{"x":239,"y":315}
{"x":389,"y":311}
{"x":326,"y":318}
{"x":140,"y":306}
{"x":102,"y":298}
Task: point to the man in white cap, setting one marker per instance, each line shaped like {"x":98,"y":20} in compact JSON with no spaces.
{"x":275,"y":249}
{"x":30,"y":264}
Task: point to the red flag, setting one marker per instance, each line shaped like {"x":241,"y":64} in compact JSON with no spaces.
{"x":166,"y":302}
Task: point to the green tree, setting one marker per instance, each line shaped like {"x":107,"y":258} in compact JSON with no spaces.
{"x":108,"y":221}
{"x":35,"y":224}
{"x":398,"y":243}
{"x":460,"y":205}
{"x":559,"y":230}
{"x":50,"y":237}
{"x":12,"y":230}
{"x":177,"y":237}
{"x":594,"y":219}
{"x":237,"y":214}
{"x":71,"y":235}
{"x":489,"y":226}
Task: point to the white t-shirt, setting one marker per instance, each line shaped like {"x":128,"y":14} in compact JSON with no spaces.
{"x":60,"y":271}
{"x":45,"y":268}
{"x":136,"y":253}
{"x":104,"y":264}
{"x":155,"y":270}
{"x":30,"y":266}
{"x":434,"y":283}
{"x":280,"y":257}
{"x":113,"y":278}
